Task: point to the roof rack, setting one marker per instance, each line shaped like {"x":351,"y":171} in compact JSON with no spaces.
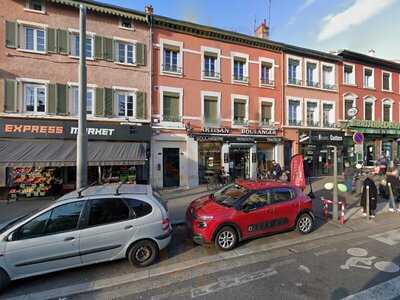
{"x":84,"y":189}
{"x":117,"y":189}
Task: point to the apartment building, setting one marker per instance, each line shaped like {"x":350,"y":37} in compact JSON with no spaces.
{"x":39,"y":95}
{"x":216,"y":103}
{"x":369,"y":97}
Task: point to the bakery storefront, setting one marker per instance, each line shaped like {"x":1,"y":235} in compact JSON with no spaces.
{"x":243,"y":153}
{"x":38,"y":157}
{"x":316,"y":148}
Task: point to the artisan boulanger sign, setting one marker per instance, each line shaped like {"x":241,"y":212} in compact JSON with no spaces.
{"x":68,"y":129}
{"x":373,"y":127}
{"x":243,"y":131}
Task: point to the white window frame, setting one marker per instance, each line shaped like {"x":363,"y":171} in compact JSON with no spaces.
{"x":117,"y":41}
{"x":71,"y":104}
{"x":306,"y":101}
{"x":353,"y":76}
{"x":35,"y":26}
{"x":126,"y":28}
{"x":266,"y":100}
{"x":42,"y":11}
{"x":245,"y":68}
{"x":348,"y":96}
{"x":330,"y":102}
{"x":391,"y":102}
{"x":128,"y":92}
{"x":373,"y":78}
{"x":27,"y":81}
{"x":164,"y":43}
{"x":301,"y":117}
{"x":333,"y":76}
{"x":390,"y":81}
{"x":211,"y":94}
{"x":316,"y":75}
{"x":89,"y":35}
{"x":179,"y":91}
{"x":216,"y":51}
{"x":369,"y":99}
{"x":299,"y":72}
{"x":239,"y":97}
{"x":270,"y":61}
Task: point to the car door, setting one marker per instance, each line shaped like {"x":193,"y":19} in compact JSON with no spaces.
{"x":110,"y":226}
{"x":46,"y":243}
{"x":255,"y":215}
{"x":286,"y":208}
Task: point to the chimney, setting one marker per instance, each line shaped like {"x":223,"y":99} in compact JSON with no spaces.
{"x":371,"y":52}
{"x":262,"y":31}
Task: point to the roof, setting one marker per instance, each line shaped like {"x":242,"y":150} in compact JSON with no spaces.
{"x":310,"y":53}
{"x":368,"y":59}
{"x":262,"y":184}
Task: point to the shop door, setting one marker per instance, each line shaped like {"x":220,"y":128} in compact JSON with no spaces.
{"x":239,"y":163}
{"x":171,"y":167}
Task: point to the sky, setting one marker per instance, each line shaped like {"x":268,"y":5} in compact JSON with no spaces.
{"x":326,"y":25}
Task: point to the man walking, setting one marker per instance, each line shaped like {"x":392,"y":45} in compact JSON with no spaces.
{"x":393,"y":184}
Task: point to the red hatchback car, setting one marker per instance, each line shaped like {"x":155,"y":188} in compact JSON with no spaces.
{"x":248,"y":209}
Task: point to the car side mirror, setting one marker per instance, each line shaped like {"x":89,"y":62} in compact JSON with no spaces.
{"x":248,"y":209}
{"x":11,"y":236}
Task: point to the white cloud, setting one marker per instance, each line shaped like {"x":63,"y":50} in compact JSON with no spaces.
{"x":306,"y":4}
{"x":359,"y":12}
{"x":302,"y":7}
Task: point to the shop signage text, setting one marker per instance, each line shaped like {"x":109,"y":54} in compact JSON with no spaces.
{"x":263,"y":131}
{"x":374,"y":124}
{"x":95,"y":131}
{"x":321,"y":137}
{"x":216,"y":130}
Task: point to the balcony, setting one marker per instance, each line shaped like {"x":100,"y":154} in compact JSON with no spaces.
{"x":313,"y":123}
{"x":240,"y":121}
{"x":295,"y":122}
{"x":328,"y":86}
{"x":266,"y":81}
{"x":329,"y":125}
{"x":266,"y":123}
{"x":209,"y":121}
{"x":241,"y":78}
{"x":172,"y":68}
{"x":314,"y":84}
{"x":211,"y":74}
{"x":172,"y":118}
{"x":295,"y":81}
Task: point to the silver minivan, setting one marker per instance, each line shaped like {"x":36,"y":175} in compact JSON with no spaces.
{"x":96,"y":224}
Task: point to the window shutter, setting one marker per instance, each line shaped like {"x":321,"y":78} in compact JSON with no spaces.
{"x":51,"y":40}
{"x":108,"y":102}
{"x":98,"y":47}
{"x":108,"y":49}
{"x":140,"y":105}
{"x":51,"y":99}
{"x":62,"y":41}
{"x":10,"y":89}
{"x":62,"y":99}
{"x":99,"y":105}
{"x":140,"y":54}
{"x":11,"y":34}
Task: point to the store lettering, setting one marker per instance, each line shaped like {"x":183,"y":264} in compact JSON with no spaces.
{"x":216,"y":130}
{"x":375,"y":124}
{"x":11,"y":128}
{"x":268,"y":131}
{"x":95,"y":131}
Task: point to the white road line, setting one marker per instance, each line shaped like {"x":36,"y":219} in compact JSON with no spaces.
{"x":324,"y":252}
{"x":384,"y":291}
{"x":390,"y":238}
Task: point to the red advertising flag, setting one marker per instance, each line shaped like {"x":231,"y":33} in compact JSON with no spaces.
{"x":297,"y":177}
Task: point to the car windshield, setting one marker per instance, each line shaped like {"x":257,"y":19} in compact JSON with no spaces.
{"x":228,"y":195}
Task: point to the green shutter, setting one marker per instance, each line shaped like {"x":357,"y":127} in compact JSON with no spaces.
{"x":62,"y":41}
{"x":51,"y":40}
{"x":98,"y":47}
{"x":10,"y":90}
{"x":11,"y":34}
{"x":108,"y":46}
{"x":140,"y":54}
{"x":51,"y":99}
{"x":108,"y":102}
{"x":141,"y":105}
{"x":99,"y":105}
{"x":62,"y":99}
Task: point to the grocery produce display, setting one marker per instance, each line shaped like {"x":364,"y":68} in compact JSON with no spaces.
{"x":31,"y":182}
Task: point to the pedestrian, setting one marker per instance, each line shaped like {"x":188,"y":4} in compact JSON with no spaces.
{"x":393,"y":183}
{"x":276,"y":170}
{"x":373,"y":196}
{"x":383,"y":164}
{"x":348,"y":176}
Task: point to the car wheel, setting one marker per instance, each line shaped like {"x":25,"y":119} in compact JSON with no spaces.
{"x":4,"y":279}
{"x":305,"y":223}
{"x":143,"y":253}
{"x":226,"y":238}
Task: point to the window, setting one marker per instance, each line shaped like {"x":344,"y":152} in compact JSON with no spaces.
{"x":125,"y":53}
{"x":368,"y":78}
{"x":239,"y":69}
{"x":294,"y":113}
{"x":266,"y":73}
{"x":387,"y":111}
{"x":104,"y":211}
{"x":328,"y":77}
{"x":210,"y":62}
{"x":210,"y":110}
{"x":239,"y":112}
{"x":170,"y":63}
{"x":281,"y":195}
{"x":171,"y":107}
{"x":328,"y":115}
{"x":294,"y":74}
{"x":312,"y":114}
{"x":369,"y":110}
{"x":349,"y":74}
{"x":312,"y":74}
{"x":37,"y":5}
{"x":387,"y":81}
{"x":266,"y":113}
{"x":74,"y":90}
{"x":348,"y":104}
{"x":140,"y":208}
{"x":64,"y":217}
{"x":34,"y":97}
{"x":74,"y":44}
{"x":126,"y":23}
{"x":126,"y":103}
{"x":256,"y":201}
{"x":33,"y":228}
{"x":34,"y":39}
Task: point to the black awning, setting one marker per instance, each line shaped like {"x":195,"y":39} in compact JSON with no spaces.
{"x":45,"y":153}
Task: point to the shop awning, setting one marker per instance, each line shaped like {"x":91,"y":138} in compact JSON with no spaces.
{"x":46,"y":153}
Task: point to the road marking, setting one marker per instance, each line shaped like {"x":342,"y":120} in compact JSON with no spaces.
{"x":387,"y":266}
{"x":390,"y":238}
{"x":324,"y":252}
{"x":304,"y":268}
{"x":384,"y":291}
{"x":231,"y":281}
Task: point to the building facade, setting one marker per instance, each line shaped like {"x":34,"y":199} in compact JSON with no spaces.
{"x":216,"y":103}
{"x":39,"y":93}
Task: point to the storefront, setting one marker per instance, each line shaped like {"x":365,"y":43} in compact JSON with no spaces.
{"x":317,"y":148}
{"x":38,"y":157}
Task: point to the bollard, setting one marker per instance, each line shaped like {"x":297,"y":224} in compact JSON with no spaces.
{"x":391,"y":196}
{"x":367,"y":201}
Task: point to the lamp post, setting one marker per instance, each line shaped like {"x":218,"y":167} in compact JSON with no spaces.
{"x":335,"y":212}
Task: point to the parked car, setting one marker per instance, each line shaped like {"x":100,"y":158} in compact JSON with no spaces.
{"x":97,"y":224}
{"x":248,"y":209}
